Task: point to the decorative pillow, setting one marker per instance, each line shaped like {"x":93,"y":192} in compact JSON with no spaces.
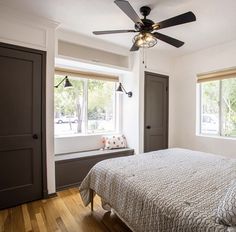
{"x":114,"y":141}
{"x":226,"y":213}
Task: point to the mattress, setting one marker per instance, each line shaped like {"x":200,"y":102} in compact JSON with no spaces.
{"x":163,"y":191}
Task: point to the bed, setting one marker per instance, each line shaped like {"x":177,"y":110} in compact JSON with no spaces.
{"x":163,"y":191}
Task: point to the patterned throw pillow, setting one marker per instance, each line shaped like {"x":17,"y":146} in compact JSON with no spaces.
{"x":114,"y":141}
{"x":226,"y":213}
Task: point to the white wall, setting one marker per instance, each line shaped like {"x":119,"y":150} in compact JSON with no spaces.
{"x":28,"y":31}
{"x":130,"y":111}
{"x":183,"y":121}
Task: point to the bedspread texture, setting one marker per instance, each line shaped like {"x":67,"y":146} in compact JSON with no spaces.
{"x":169,"y":190}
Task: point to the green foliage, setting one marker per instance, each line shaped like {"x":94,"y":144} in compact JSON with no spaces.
{"x":210,"y":97}
{"x":100,"y":94}
{"x":229,"y":106}
{"x":65,"y":100}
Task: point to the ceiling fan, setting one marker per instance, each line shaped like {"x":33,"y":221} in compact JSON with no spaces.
{"x":147,"y":30}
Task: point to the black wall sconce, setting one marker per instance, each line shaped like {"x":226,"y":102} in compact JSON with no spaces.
{"x":67,"y":83}
{"x":121,"y":89}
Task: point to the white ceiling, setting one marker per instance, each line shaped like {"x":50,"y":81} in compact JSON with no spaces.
{"x":216,"y":19}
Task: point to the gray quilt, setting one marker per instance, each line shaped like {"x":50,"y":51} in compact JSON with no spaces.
{"x":162,"y":191}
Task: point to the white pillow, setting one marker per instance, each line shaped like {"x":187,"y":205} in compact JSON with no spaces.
{"x":114,"y":141}
{"x":226,"y":213}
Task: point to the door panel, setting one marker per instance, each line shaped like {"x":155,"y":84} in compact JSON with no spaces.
{"x":24,"y":171}
{"x":155,"y":142}
{"x":9,"y":106}
{"x":21,"y":117}
{"x":155,"y":119}
{"x":156,"y":112}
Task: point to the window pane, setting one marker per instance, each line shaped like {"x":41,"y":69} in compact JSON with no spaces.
{"x":101,"y":106}
{"x":210,"y":107}
{"x":229,"y":107}
{"x":68,"y":107}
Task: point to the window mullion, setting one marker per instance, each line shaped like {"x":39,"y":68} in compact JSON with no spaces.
{"x":200,"y":110}
{"x":220,"y":108}
{"x":86,"y":106}
{"x":116,"y":107}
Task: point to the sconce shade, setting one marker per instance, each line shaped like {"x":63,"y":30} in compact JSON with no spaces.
{"x":119,"y":89}
{"x":67,"y":83}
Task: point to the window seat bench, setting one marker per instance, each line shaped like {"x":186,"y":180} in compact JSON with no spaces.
{"x":71,"y":168}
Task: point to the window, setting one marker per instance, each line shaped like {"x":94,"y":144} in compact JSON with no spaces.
{"x":89,"y":107}
{"x":218,"y":105}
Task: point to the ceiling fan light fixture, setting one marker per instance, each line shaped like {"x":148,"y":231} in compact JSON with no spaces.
{"x":145,"y":40}
{"x":147,"y":37}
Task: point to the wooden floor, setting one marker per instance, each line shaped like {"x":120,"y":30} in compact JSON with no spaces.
{"x":63,"y":213}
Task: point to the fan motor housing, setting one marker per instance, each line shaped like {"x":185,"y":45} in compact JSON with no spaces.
{"x":146,"y":27}
{"x":147,"y":23}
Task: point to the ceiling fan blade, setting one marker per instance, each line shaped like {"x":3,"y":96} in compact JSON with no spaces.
{"x":134,"y":47}
{"x":174,"y":42}
{"x":112,"y":32}
{"x":128,"y":10}
{"x":177,"y":20}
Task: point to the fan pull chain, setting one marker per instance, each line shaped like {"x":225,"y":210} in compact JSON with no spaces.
{"x":144,"y":58}
{"x":145,"y":54}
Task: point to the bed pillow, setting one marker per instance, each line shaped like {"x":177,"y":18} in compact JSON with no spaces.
{"x":226,"y":213}
{"x":114,"y":141}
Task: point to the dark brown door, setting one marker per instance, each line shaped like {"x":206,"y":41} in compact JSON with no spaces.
{"x":21,"y":175}
{"x":156,"y":112}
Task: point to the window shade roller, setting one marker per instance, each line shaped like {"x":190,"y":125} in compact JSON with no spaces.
{"x":218,"y":75}
{"x":83,"y":74}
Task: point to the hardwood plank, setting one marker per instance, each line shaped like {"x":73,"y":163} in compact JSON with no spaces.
{"x":65,"y":213}
{"x":66,"y":216}
{"x":3,"y":217}
{"x":17,"y":218}
{"x":51,"y":215}
{"x":33,"y":209}
{"x":61,"y":224}
{"x":26,"y":218}
{"x":82,"y":215}
{"x":40,"y":221}
{"x":8,"y":222}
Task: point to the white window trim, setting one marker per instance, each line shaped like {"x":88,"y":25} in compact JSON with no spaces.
{"x":86,"y":106}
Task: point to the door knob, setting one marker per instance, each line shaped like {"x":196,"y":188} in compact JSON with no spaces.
{"x":35,"y":136}
{"x":148,"y":127}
